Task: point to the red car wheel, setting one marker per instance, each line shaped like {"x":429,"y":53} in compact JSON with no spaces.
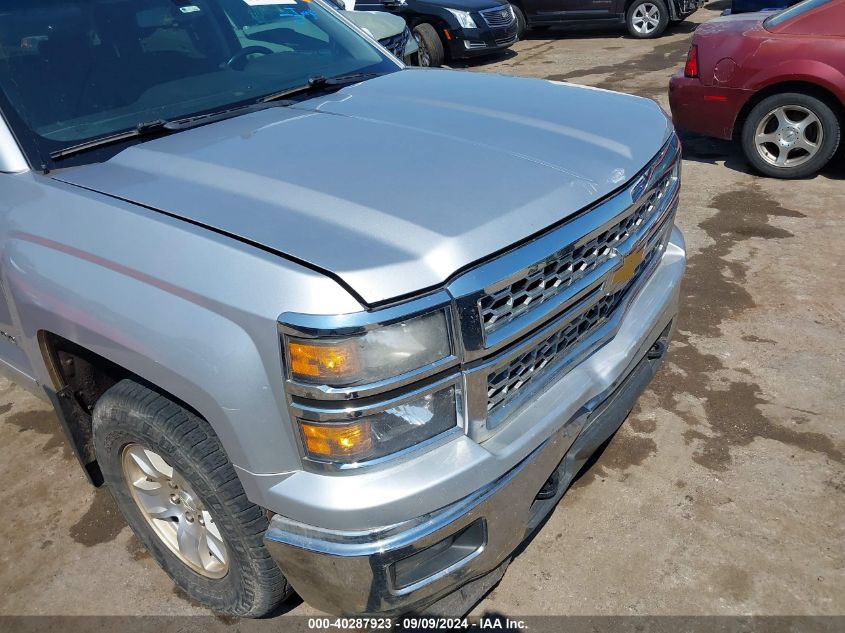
{"x":790,"y":135}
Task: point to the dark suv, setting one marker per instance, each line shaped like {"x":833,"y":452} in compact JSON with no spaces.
{"x":453,"y":29}
{"x":644,"y":18}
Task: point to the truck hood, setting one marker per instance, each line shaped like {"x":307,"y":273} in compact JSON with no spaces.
{"x":396,"y":183}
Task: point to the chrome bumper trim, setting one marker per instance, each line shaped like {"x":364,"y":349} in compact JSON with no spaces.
{"x":501,"y":272}
{"x":481,"y":423}
{"x":348,"y":572}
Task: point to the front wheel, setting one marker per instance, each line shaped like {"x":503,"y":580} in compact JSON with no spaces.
{"x":647,"y":18}
{"x":790,"y":135}
{"x":177,"y":490}
{"x":431,"y":52}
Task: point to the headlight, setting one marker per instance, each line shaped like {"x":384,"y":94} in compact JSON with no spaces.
{"x":382,"y":353}
{"x":380,"y":434}
{"x":463,"y":18}
{"x":367,"y":385}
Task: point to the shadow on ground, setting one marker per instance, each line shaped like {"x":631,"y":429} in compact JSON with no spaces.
{"x":712,"y":151}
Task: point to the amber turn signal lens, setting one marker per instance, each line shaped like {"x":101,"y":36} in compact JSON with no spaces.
{"x":312,"y":361}
{"x":346,"y":443}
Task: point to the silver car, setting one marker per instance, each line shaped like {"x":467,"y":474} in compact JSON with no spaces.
{"x":293,"y":368}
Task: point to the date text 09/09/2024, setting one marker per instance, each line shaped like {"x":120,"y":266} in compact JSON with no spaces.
{"x":415,"y":624}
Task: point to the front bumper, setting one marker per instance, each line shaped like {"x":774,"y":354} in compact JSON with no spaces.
{"x":706,"y":110}
{"x":688,"y":7}
{"x":413,"y":564}
{"x":466,"y":43}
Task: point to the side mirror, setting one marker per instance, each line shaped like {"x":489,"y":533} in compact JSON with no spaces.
{"x":338,"y":4}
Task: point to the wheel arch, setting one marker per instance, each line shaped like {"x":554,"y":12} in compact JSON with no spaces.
{"x":437,"y":22}
{"x":805,"y":87}
{"x":670,"y":4}
{"x":79,"y":378}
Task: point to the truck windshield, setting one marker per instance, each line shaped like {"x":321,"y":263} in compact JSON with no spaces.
{"x":75,"y":71}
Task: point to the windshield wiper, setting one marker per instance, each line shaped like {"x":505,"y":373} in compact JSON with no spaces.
{"x":162,"y":127}
{"x":149,"y":128}
{"x":317,"y":83}
{"x":159,"y":127}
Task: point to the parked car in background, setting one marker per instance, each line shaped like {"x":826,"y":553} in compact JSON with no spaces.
{"x":291,"y":369}
{"x":644,"y":18}
{"x":774,"y":82}
{"x":390,"y":30}
{"x":451,"y":29}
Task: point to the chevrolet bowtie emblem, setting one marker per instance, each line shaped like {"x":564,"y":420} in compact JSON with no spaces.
{"x":625,"y":272}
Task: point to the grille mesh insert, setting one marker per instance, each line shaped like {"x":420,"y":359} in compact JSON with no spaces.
{"x":559,"y":271}
{"x":503,"y":385}
{"x":498,"y":17}
{"x":396,"y":43}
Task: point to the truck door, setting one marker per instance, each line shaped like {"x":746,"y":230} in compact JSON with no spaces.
{"x":14,"y":363}
{"x":564,"y":10}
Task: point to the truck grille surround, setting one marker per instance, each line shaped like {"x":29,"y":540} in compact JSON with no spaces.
{"x":523,"y":330}
{"x":561,"y":270}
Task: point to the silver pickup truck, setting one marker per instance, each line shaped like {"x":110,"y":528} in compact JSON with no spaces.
{"x":320,"y":322}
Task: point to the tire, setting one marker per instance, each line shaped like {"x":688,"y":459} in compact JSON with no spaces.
{"x":431,"y":51}
{"x":647,"y":19}
{"x":788,"y":140}
{"x":521,"y":23}
{"x":131,"y":424}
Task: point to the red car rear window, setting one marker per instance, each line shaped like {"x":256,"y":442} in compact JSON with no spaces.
{"x":793,"y":11}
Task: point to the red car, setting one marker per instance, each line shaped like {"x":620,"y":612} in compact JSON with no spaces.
{"x":775,"y":81}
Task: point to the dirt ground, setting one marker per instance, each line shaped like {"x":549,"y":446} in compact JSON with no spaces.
{"x":724,"y":493}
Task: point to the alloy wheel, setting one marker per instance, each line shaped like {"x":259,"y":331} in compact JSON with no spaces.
{"x":174,"y":511}
{"x":788,"y":136}
{"x":646,"y":18}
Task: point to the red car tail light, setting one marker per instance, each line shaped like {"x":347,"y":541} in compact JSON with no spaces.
{"x":691,"y":67}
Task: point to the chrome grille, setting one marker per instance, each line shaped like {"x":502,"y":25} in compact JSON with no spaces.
{"x":396,"y":43}
{"x":505,"y":384}
{"x":548,"y":278}
{"x":533,"y":312}
{"x":498,"y":17}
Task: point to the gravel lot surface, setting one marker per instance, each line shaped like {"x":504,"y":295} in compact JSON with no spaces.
{"x":724,"y":493}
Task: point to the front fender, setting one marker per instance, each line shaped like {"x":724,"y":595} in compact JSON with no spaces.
{"x":184,"y":308}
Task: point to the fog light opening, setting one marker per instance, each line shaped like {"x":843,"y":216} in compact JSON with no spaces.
{"x":657,"y":350}
{"x":444,"y":555}
{"x":550,"y":488}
